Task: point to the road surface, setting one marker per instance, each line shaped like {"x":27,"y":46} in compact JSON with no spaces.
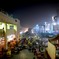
{"x":24,"y":54}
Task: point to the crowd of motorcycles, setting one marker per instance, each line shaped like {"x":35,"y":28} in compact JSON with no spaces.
{"x":24,"y":44}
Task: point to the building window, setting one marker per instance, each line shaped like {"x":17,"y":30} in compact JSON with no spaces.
{"x":11,"y":27}
{"x":15,"y":20}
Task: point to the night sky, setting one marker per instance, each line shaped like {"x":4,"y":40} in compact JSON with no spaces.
{"x":30,"y":13}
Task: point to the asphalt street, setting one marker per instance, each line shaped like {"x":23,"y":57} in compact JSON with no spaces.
{"x":24,"y":54}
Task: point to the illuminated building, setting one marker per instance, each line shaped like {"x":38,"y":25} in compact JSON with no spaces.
{"x":41,"y":29}
{"x":47,"y":27}
{"x":9,"y":28}
{"x":55,"y":23}
{"x":36,"y":29}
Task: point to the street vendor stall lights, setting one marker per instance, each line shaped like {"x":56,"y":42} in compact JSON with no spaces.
{"x":10,"y":37}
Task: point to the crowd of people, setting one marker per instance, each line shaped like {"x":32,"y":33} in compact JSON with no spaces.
{"x":14,"y":47}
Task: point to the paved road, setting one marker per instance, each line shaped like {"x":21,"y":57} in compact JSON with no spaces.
{"x":24,"y":54}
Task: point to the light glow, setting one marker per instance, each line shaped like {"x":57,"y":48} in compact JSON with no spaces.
{"x":15,"y":27}
{"x":53,"y":18}
{"x":2,"y":25}
{"x":21,"y":32}
{"x":54,"y":23}
{"x":32,"y":31}
{"x":26,"y":30}
{"x":10,"y":37}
